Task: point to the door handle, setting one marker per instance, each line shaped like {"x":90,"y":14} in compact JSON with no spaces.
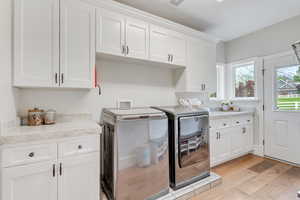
{"x":127,"y":50}
{"x":172,"y":57}
{"x":169,"y":57}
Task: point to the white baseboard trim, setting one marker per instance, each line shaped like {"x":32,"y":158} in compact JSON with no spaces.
{"x":258,"y":150}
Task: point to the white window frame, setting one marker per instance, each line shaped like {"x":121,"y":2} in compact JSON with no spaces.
{"x":231,"y":79}
{"x":220,"y":70}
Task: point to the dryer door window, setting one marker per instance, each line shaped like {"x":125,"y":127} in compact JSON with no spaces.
{"x":193,"y":140}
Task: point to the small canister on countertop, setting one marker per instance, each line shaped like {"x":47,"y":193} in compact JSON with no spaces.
{"x":49,"y":117}
{"x":35,"y":117}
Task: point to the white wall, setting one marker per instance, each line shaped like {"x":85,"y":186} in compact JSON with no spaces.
{"x":7,"y":97}
{"x":220,"y":54}
{"x":274,"y":39}
{"x":145,"y":85}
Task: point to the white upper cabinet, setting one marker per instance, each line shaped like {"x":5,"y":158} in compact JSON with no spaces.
{"x":159,"y":44}
{"x":177,"y":48}
{"x":110,"y":32}
{"x":34,"y":182}
{"x":36,"y":43}
{"x":167,"y":46}
{"x":77,"y":44}
{"x":137,"y":39}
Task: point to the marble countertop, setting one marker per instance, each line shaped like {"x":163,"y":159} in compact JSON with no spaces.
{"x":220,"y":114}
{"x":60,"y":130}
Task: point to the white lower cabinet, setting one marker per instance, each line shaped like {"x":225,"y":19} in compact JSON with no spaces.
{"x":229,"y":140}
{"x":75,"y":177}
{"x":220,"y":145}
{"x":29,"y":182}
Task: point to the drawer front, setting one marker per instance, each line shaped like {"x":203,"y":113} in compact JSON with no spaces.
{"x":79,"y":146}
{"x":236,"y":121}
{"x":222,"y":123}
{"x":28,"y":154}
{"x":247,"y":119}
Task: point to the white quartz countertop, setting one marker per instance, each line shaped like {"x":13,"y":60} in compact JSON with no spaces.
{"x":24,"y":134}
{"x":220,"y":114}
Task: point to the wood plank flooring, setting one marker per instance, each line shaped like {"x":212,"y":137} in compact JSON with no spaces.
{"x":255,"y":178}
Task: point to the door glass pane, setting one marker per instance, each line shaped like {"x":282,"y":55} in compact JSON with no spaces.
{"x":288,"y":88}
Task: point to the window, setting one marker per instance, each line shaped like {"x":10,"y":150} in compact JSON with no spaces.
{"x":288,"y":88}
{"x":243,"y":77}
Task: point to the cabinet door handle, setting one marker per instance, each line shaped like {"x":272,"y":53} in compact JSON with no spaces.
{"x":79,"y":146}
{"x":53,"y":170}
{"x":60,"y":169}
{"x":217,"y":135}
{"x":56,"y":78}
{"x":244,"y":130}
{"x":123,"y":49}
{"x":169,"y":57}
{"x":172,"y":57}
{"x":127,"y":50}
{"x":62,"y":78}
{"x":31,"y":155}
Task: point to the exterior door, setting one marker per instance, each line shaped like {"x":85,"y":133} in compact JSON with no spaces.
{"x":110,"y":33}
{"x":79,"y":178}
{"x":282,"y":116}
{"x":137,"y":39}
{"x":77,"y":44}
{"x":159,"y":41}
{"x":36,"y":178}
{"x":36,"y":43}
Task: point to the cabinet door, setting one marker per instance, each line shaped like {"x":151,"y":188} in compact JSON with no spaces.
{"x":137,"y":39}
{"x":36,"y":43}
{"x":29,"y":182}
{"x":237,"y":140}
{"x":77,"y":44}
{"x":177,"y":48}
{"x":80,"y":178}
{"x":220,"y":145}
{"x":110,"y":32}
{"x":159,"y":41}
{"x":248,"y":137}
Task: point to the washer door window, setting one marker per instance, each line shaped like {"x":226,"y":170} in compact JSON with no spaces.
{"x":193,"y":140}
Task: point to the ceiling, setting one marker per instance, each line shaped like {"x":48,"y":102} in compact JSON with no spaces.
{"x":226,"y":20}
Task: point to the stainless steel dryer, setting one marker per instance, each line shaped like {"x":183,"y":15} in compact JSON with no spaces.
{"x":188,"y":144}
{"x":135,"y":161}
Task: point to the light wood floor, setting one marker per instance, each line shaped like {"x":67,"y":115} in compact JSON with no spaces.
{"x":255,"y":178}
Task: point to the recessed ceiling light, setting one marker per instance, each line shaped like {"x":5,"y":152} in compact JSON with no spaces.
{"x":176,"y":2}
{"x":219,"y":1}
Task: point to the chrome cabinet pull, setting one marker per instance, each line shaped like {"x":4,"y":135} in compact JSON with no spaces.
{"x":53,"y":170}
{"x":31,"y":155}
{"x":60,"y":169}
{"x":62,"y":78}
{"x":168,"y":57}
{"x":127,"y":50}
{"x":123,"y":49}
{"x":56,"y":78}
{"x":244,"y":130}
{"x":172,"y":57}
